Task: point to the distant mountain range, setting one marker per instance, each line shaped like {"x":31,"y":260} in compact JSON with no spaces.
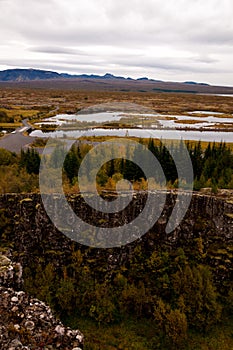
{"x":20,"y":75}
{"x":42,"y":78}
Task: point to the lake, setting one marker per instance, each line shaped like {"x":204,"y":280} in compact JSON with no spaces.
{"x":165,"y":126}
{"x":208,"y":136}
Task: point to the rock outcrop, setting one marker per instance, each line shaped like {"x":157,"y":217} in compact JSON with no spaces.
{"x":30,"y":234}
{"x":30,"y":230}
{"x":27,"y":323}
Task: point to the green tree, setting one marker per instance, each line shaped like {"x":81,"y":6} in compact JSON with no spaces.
{"x":66,"y":295}
{"x":102,"y":308}
{"x":172,"y":323}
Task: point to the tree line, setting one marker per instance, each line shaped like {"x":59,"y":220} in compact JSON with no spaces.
{"x":212,"y":166}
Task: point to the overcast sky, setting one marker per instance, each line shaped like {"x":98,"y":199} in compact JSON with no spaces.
{"x":175,"y":40}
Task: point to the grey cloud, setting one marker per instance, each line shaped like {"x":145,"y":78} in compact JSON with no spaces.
{"x":214,"y":38}
{"x":89,"y":34}
{"x":60,"y":65}
{"x":137,"y":62}
{"x":127,"y":24}
{"x":165,"y":64}
{"x":120,"y":23}
{"x":204,"y":59}
{"x":56,"y":50}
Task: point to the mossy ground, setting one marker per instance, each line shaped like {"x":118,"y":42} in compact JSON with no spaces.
{"x":132,"y":334}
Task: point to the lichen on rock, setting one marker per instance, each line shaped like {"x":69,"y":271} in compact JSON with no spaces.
{"x":27,"y":323}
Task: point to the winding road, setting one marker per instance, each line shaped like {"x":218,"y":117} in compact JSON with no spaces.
{"x":16,"y":140}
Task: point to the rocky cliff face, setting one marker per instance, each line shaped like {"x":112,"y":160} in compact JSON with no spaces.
{"x":30,"y":234}
{"x":27,"y":323}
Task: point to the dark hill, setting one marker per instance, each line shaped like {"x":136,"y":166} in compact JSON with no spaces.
{"x":27,"y":75}
{"x":35,"y":78}
{"x":21,"y":75}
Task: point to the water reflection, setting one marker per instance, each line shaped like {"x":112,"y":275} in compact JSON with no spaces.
{"x":208,"y":136}
{"x":142,"y":125}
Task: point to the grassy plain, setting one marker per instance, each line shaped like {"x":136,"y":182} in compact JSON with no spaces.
{"x":31,"y":102}
{"x":37,"y":104}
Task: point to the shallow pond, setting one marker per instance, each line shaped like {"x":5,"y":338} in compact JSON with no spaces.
{"x":208,"y":136}
{"x":149,"y":125}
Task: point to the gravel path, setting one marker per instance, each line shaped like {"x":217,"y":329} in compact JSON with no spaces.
{"x":15,"y":141}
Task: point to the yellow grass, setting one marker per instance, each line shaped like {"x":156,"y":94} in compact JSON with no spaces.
{"x":10,"y":125}
{"x":19,"y":112}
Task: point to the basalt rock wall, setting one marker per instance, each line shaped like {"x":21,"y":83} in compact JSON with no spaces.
{"x":29,"y":233}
